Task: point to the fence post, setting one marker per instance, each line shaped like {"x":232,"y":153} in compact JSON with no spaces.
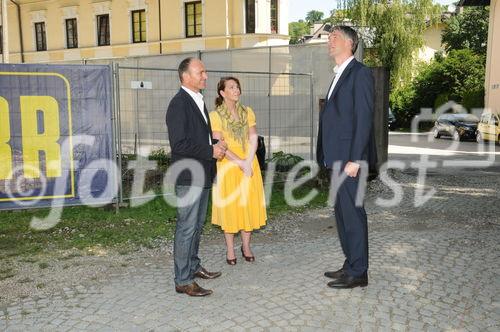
{"x":269,"y":150}
{"x":311,"y":86}
{"x":137,"y":136}
{"x":381,"y":104}
{"x":118,"y":123}
{"x":113,"y":130}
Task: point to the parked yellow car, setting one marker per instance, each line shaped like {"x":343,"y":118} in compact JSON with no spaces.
{"x":488,"y":127}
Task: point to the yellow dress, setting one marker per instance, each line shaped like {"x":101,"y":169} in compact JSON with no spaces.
{"x":238,"y":201}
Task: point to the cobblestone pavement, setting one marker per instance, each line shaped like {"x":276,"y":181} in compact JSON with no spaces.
{"x":435,"y":267}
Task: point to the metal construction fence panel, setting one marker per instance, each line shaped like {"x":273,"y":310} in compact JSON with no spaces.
{"x":57,"y":138}
{"x":282,"y":103}
{"x":282,"y":84}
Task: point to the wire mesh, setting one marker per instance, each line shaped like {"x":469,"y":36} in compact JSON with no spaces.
{"x":281,"y":102}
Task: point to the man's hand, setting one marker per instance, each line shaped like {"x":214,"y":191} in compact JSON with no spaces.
{"x":219,"y":152}
{"x":352,"y":169}
{"x":220,"y":149}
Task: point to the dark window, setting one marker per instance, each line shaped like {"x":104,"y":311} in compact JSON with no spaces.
{"x":1,"y":40}
{"x":71,"y":33}
{"x":41,"y":41}
{"x":250,"y":16}
{"x":274,"y":16}
{"x":102,"y":30}
{"x":193,"y":19}
{"x":139,"y":26}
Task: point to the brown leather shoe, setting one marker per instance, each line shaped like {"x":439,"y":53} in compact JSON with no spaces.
{"x":193,"y":290}
{"x":204,"y":274}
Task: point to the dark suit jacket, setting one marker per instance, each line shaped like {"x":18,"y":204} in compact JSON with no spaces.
{"x":188,"y":134}
{"x":346,"y":122}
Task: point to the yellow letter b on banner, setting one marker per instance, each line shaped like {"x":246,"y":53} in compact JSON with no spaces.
{"x":40,"y":135}
{"x":5,"y":150}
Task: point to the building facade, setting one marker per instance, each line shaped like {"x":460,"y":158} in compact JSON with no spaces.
{"x":71,"y":30}
{"x":432,"y":42}
{"x":492,"y":81}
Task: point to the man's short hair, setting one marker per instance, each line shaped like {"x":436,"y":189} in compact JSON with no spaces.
{"x":184,"y":66}
{"x":349,"y":33}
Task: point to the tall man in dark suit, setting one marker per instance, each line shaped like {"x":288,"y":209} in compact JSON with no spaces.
{"x":344,"y":140}
{"x":191,"y":143}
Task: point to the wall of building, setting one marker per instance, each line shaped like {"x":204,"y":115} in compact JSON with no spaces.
{"x":432,"y":42}
{"x":221,"y":29}
{"x":492,"y":82}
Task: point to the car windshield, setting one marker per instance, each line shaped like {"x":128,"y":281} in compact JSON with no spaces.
{"x":468,"y":118}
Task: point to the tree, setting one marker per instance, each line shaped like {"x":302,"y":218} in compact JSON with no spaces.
{"x":337,"y":16}
{"x":314,"y":16}
{"x":467,"y":30}
{"x":459,"y":77}
{"x":397,"y":28}
{"x":297,"y":30}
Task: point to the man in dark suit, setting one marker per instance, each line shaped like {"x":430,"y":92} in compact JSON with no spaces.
{"x":192,"y":147}
{"x":344,"y":140}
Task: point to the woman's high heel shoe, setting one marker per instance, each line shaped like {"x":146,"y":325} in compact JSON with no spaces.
{"x":231,"y":261}
{"x":247,"y":258}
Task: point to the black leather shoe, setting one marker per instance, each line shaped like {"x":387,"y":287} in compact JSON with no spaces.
{"x":247,"y":258}
{"x":231,"y":261}
{"x":349,"y":282}
{"x":193,"y":290}
{"x":204,"y":274}
{"x":335,"y":274}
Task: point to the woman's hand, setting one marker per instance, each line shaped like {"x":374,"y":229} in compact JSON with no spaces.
{"x":246,"y":167}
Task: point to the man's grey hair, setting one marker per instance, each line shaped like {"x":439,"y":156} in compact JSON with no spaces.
{"x":349,"y":33}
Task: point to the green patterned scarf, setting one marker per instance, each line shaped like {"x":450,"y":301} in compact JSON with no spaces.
{"x":237,"y":128}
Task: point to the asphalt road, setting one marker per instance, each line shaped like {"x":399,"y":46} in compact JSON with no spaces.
{"x":408,"y":148}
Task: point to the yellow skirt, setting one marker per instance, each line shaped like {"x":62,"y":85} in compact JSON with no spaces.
{"x":238,"y":201}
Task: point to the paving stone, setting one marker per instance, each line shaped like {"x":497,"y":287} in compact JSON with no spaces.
{"x":420,"y":278}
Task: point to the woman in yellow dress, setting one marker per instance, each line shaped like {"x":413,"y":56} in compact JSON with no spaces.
{"x":238,"y":203}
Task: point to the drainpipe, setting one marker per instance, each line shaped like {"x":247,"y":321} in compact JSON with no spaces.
{"x":159,"y":25}
{"x":227,"y":25}
{"x":5,"y":33}
{"x":20,"y":29}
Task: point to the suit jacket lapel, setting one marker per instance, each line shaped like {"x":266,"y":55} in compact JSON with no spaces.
{"x":208,"y":121}
{"x":345,"y":73}
{"x":329,"y":87}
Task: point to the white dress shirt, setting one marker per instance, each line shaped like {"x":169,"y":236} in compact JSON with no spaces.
{"x":338,"y":70}
{"x":198,"y":99}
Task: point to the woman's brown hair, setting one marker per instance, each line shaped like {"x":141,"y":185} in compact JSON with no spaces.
{"x":221,"y":86}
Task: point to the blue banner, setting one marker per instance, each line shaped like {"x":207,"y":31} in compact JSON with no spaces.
{"x":56,"y":135}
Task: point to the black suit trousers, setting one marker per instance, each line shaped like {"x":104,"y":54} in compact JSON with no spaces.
{"x":352,"y":228}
